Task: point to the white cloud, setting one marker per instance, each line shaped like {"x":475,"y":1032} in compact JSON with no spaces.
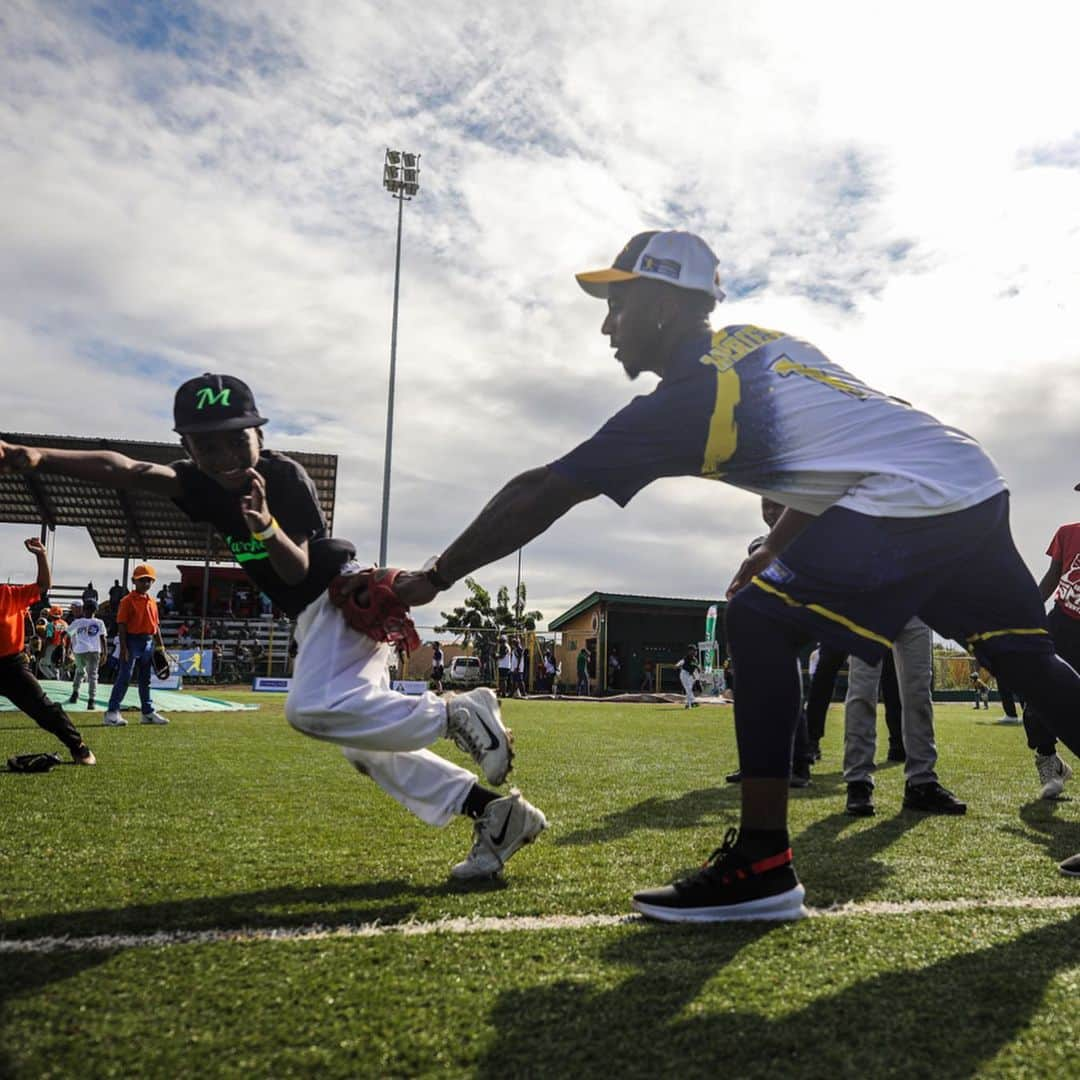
{"x":195,"y":192}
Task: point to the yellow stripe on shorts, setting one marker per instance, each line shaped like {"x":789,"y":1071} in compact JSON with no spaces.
{"x":817,"y":609}
{"x":999,"y":633}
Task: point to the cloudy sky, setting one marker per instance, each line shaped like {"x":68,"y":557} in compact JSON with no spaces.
{"x":188,"y":187}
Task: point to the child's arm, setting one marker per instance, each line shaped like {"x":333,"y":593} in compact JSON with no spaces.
{"x":288,"y":558}
{"x":44,"y":574}
{"x":98,"y":466}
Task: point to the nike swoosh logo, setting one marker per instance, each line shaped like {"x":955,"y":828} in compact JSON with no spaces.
{"x":490,"y":734}
{"x":497,"y":840}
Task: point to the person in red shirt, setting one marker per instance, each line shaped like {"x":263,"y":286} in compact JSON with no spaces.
{"x":137,"y":625}
{"x":17,"y":683}
{"x":1062,"y":582}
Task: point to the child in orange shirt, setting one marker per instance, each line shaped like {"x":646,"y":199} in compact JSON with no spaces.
{"x":137,"y":625}
{"x":16,"y":681}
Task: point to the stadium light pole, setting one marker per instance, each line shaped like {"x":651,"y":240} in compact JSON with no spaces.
{"x":401,"y":177}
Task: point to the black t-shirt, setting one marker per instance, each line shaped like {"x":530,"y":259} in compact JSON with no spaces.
{"x":292,"y":499}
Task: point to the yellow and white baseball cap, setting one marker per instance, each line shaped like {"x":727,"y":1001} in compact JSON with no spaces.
{"x":675,"y":258}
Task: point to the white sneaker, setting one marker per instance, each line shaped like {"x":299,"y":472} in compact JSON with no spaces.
{"x":153,"y":718}
{"x":1004,"y":718}
{"x":474,"y":723}
{"x":506,"y":825}
{"x":1053,"y":772}
{"x":114,"y":719}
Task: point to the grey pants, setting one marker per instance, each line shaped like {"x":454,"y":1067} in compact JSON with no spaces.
{"x":86,"y":663}
{"x":913,"y":652}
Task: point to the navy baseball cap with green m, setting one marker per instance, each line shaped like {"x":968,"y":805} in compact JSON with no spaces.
{"x":675,"y":258}
{"x":214,"y":403}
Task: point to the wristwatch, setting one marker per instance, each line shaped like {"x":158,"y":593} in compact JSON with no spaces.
{"x":430,"y":570}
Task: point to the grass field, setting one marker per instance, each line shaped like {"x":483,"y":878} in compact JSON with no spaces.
{"x":232,"y":822}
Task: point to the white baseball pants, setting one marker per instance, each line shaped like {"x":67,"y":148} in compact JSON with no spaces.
{"x":341,"y":693}
{"x":687,"y":681}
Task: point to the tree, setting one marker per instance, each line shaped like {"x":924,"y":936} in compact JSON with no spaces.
{"x":477,"y":619}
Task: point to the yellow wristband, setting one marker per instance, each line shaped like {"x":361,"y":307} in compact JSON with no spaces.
{"x":268,"y":531}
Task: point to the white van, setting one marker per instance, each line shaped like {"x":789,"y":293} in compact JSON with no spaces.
{"x":464,"y":669}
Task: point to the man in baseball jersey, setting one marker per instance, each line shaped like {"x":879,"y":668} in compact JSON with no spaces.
{"x":87,"y":635}
{"x":265,"y":507}
{"x":17,"y":683}
{"x":890,"y":513}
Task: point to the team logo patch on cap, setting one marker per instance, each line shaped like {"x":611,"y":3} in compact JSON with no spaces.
{"x":650,"y":264}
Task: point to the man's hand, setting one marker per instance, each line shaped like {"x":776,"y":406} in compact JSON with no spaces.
{"x":414,"y":589}
{"x":15,"y":458}
{"x":751,"y":565}
{"x":411,"y":587}
{"x":34,"y":546}
{"x":253,"y":506}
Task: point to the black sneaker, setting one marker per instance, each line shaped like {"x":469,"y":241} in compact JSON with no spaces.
{"x":896,"y":752}
{"x":1071,"y":867}
{"x":730,"y":887}
{"x":734,"y":777}
{"x":800,"y":775}
{"x":860,"y":798}
{"x":932,"y":798}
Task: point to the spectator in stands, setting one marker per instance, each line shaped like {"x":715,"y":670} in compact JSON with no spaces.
{"x":116,"y":594}
{"x":90,"y":593}
{"x":17,"y":683}
{"x":183,"y":636}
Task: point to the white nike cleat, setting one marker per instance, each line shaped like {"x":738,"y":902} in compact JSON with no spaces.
{"x":114,"y":719}
{"x":1053,"y":772}
{"x":474,"y":723}
{"x":506,"y":825}
{"x":153,"y":718}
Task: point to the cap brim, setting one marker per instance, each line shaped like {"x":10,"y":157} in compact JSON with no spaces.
{"x":597,"y":282}
{"x":234,"y":424}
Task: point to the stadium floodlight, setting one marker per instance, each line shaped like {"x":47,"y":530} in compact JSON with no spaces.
{"x":401,"y":177}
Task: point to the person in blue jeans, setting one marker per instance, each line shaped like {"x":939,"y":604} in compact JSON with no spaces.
{"x":137,"y":625}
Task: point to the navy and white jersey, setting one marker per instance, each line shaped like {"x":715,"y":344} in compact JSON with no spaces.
{"x":771,"y":414}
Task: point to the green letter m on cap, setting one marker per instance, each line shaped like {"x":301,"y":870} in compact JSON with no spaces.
{"x":208,"y":396}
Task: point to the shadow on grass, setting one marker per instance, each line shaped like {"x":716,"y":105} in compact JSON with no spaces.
{"x":287,"y":906}
{"x":688,"y":811}
{"x":1060,"y":836}
{"x":841,"y":867}
{"x":944,"y":1019}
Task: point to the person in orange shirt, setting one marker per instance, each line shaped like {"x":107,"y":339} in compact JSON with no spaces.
{"x":137,"y":625}
{"x":17,"y":683}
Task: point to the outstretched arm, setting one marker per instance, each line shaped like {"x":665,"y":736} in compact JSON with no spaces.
{"x":44,"y":574}
{"x":98,"y":466}
{"x":527,"y":506}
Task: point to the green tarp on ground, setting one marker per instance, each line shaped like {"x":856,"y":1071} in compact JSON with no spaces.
{"x":165,"y":701}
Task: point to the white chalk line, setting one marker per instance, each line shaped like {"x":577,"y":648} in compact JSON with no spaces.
{"x":490,"y":924}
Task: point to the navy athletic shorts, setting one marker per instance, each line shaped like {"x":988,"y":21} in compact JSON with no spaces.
{"x":853,"y":581}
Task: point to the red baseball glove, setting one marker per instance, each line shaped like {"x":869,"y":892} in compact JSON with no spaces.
{"x":375,"y":609}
